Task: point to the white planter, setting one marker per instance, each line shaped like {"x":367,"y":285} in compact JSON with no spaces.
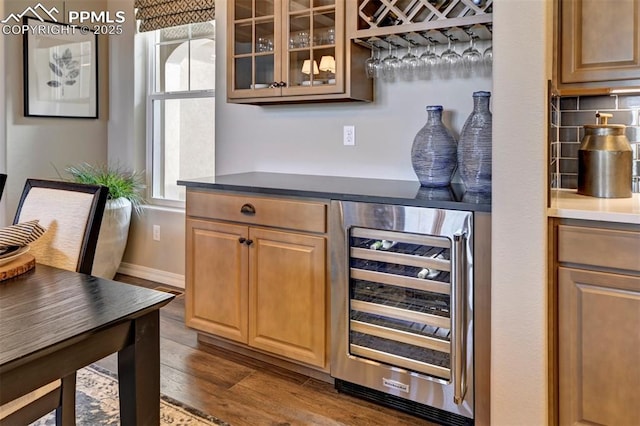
{"x":112,"y":240}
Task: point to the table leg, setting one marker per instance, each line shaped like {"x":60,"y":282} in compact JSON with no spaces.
{"x":139,"y":373}
{"x":66,"y":412}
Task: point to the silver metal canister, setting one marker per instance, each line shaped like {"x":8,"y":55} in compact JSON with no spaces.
{"x":604,"y":160}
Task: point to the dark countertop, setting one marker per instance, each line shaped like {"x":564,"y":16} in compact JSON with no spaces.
{"x":384,"y":191}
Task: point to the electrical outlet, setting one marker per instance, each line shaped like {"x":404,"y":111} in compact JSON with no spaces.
{"x":156,"y":232}
{"x":349,"y":135}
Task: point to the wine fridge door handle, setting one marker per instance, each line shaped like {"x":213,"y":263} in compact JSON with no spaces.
{"x":458,"y":317}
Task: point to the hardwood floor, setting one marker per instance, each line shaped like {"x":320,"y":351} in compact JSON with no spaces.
{"x":246,"y":392}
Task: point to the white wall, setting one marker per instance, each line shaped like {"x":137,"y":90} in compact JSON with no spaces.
{"x":36,"y":146}
{"x":307,"y":139}
{"x":522,"y":42}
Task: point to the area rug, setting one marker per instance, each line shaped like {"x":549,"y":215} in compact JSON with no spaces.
{"x":97,"y":404}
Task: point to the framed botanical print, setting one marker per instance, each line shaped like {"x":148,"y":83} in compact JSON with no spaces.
{"x":60,"y":70}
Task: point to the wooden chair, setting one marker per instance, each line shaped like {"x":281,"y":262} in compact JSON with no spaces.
{"x":72,"y":214}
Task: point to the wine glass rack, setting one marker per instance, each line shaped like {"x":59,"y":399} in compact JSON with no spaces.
{"x":421,"y":22}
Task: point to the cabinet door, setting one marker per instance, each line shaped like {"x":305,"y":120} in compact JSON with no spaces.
{"x":281,"y":51}
{"x":216,"y":279}
{"x":313,"y":39}
{"x":254,"y":49}
{"x":287,"y":295}
{"x":599,"y":348}
{"x":600,"y":40}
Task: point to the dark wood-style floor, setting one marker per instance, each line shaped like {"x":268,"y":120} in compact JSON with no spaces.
{"x":246,"y":392}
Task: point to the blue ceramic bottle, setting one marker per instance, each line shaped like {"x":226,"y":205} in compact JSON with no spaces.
{"x":474,"y":147}
{"x":433,"y":154}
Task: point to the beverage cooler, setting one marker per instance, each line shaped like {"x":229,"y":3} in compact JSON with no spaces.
{"x":403,"y":308}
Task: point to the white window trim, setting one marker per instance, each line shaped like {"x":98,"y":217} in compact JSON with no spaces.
{"x":151,"y":96}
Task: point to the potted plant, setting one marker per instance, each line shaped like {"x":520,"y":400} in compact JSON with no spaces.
{"x":125,"y":195}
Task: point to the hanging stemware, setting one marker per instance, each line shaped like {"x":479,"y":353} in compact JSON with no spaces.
{"x":487,"y":60}
{"x":372,"y":64}
{"x":390,"y":64}
{"x":450,"y":62}
{"x":429,"y":61}
{"x":410,"y":64}
{"x":471,"y":58}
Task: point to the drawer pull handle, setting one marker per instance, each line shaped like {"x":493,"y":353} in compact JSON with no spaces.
{"x":249,"y":242}
{"x":248,"y":209}
{"x":241,"y":240}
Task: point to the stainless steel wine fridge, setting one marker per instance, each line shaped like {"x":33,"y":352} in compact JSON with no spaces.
{"x":402,"y":297}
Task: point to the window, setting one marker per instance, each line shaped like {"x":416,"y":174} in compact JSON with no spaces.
{"x":180,"y":109}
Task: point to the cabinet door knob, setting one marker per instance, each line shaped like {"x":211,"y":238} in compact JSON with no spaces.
{"x":249,"y":242}
{"x":241,"y":240}
{"x":248,"y":209}
{"x":282,"y":84}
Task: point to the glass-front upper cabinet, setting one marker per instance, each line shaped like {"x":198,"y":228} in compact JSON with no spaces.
{"x":255,"y":46}
{"x":311,"y":38}
{"x":289,"y":50}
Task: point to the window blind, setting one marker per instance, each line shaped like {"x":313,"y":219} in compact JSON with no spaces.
{"x":158,"y":14}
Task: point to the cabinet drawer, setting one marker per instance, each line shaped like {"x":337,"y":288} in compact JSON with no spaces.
{"x":291,"y":214}
{"x":599,"y":247}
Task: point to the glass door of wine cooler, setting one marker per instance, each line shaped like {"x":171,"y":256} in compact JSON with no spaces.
{"x":402,"y":305}
{"x":400,"y":300}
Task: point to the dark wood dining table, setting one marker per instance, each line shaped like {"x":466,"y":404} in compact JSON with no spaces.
{"x":54,"y":322}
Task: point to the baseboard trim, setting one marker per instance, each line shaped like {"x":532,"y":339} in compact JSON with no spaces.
{"x":163,"y":277}
{"x":313,"y":372}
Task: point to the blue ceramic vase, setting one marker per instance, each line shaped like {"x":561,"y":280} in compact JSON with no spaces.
{"x":474,"y":147}
{"x":433,"y":154}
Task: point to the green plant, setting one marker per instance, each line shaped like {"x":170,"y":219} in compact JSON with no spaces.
{"x":121,"y":182}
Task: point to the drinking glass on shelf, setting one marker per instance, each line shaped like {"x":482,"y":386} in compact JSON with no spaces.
{"x":331,"y":36}
{"x":302,"y":39}
{"x":264,"y":45}
{"x":471,"y":59}
{"x":450,"y":62}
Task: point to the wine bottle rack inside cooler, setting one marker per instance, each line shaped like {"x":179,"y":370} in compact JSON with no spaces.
{"x":400,"y":298}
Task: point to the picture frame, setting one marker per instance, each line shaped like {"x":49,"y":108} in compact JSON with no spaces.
{"x":60,"y":70}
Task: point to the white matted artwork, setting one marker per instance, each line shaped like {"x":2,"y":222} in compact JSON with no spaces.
{"x":60,"y":70}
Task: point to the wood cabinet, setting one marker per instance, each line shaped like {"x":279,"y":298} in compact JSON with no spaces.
{"x":598,"y":319}
{"x":287,"y":292}
{"x":216,"y":285}
{"x":256,"y":273}
{"x":598,"y":45}
{"x":292,"y":51}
